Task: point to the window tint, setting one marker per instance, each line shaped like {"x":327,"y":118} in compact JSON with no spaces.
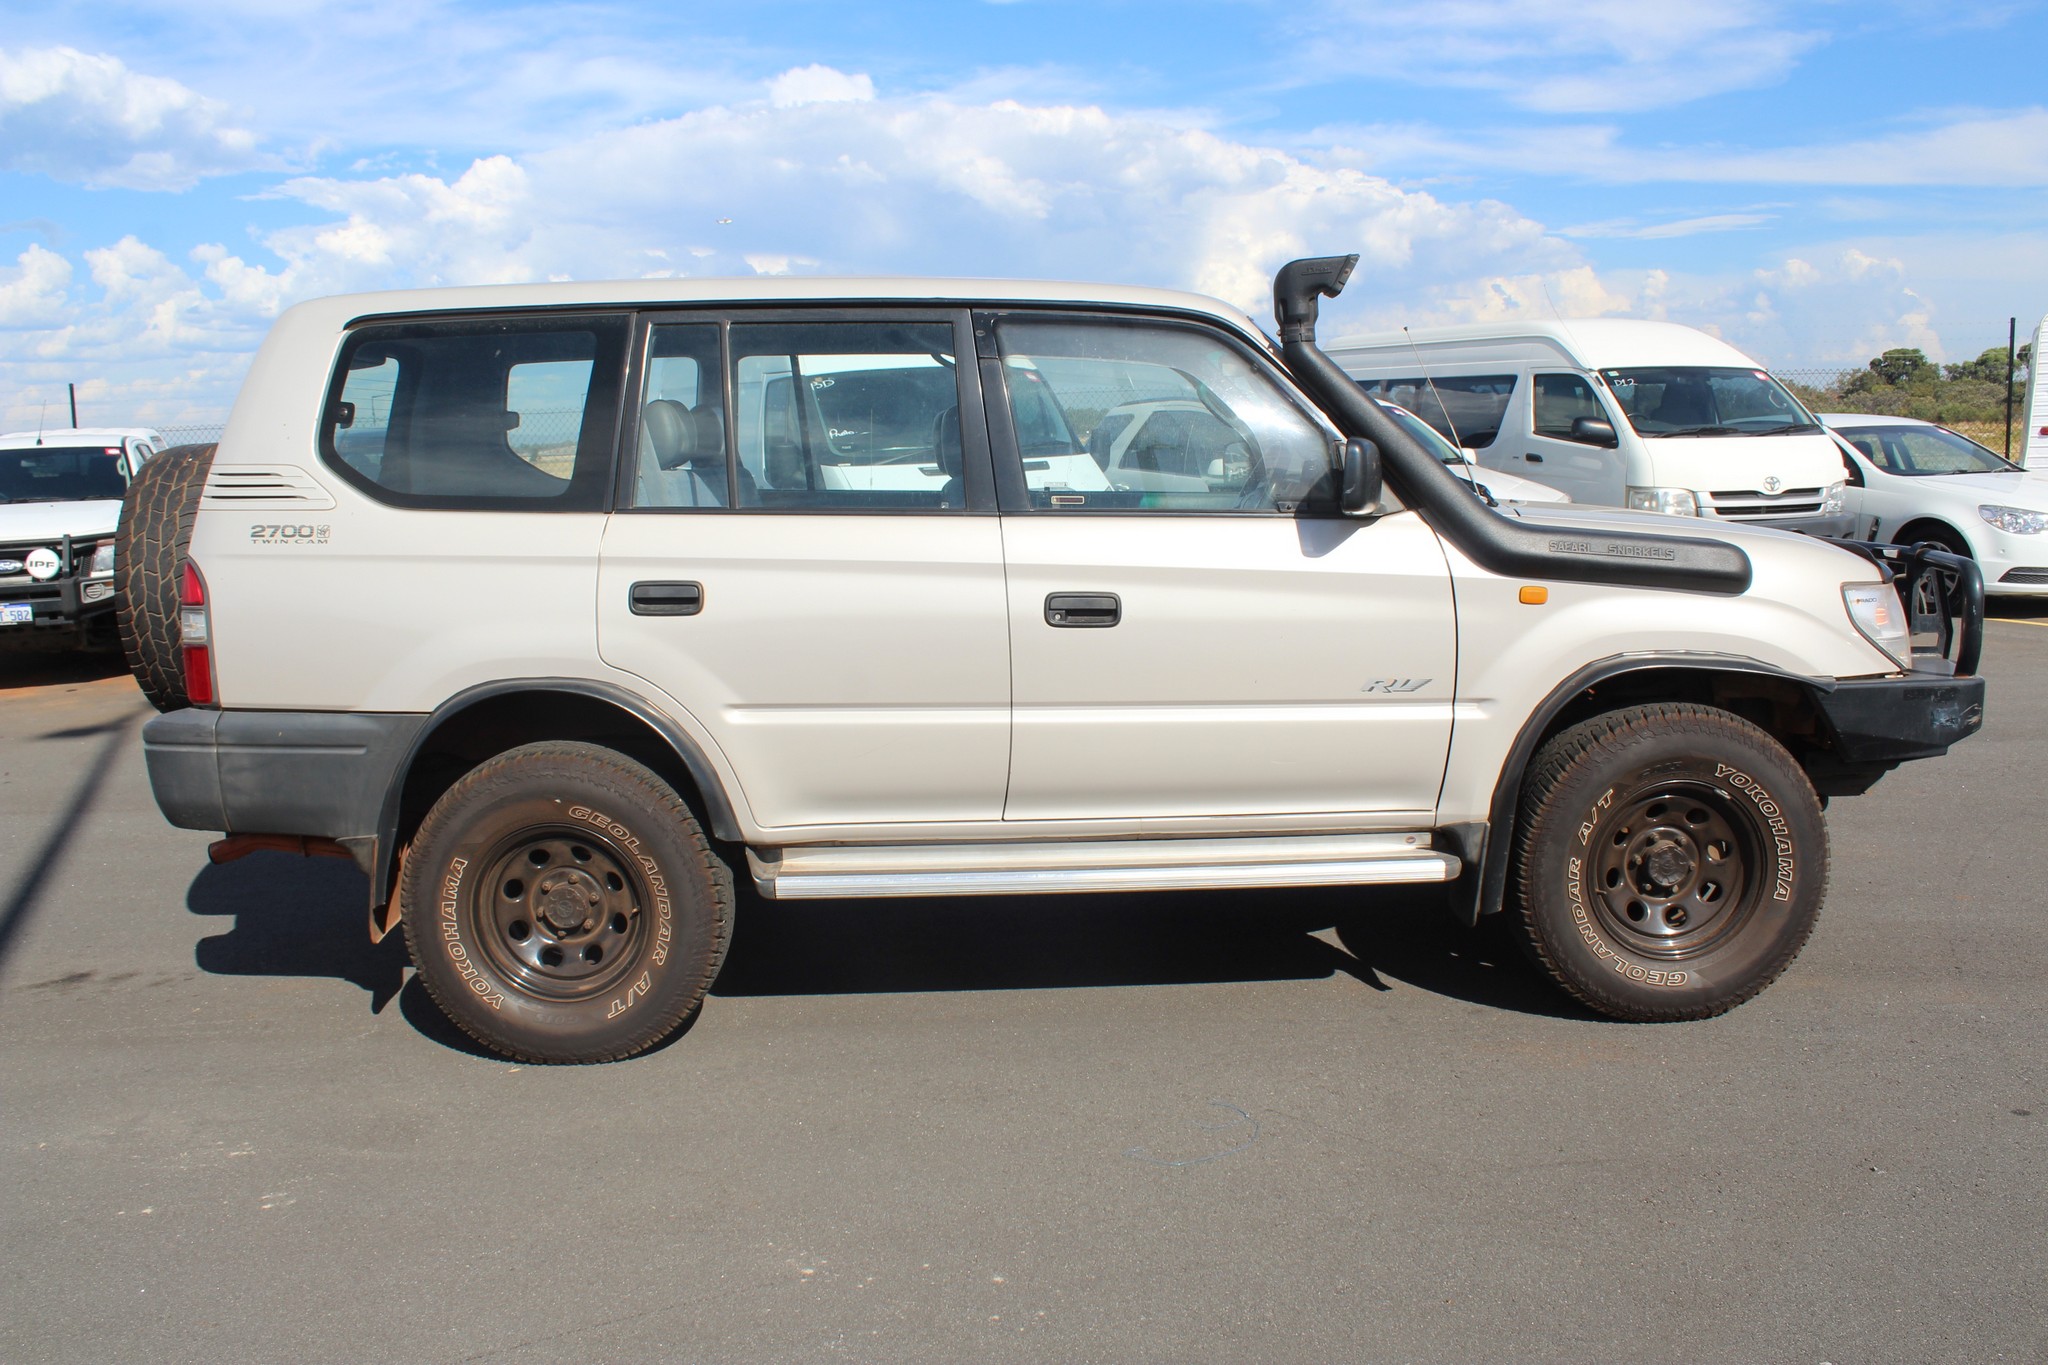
{"x":1114,"y":415}
{"x":681,"y":456}
{"x":506,"y":412}
{"x":1466,"y":409}
{"x":1562,"y":399}
{"x":846,"y":415}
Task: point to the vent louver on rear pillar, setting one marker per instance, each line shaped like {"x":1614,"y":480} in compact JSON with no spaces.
{"x":283,"y":487}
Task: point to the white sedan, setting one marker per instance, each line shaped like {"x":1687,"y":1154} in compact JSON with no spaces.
{"x":1915,"y":481}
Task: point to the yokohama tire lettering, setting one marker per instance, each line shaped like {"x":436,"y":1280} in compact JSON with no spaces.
{"x":451,"y":937}
{"x":1784,"y":863}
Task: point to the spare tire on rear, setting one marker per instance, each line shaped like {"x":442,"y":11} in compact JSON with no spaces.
{"x":149,"y":549}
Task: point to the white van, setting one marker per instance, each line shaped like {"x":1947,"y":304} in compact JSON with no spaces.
{"x":1648,"y":415}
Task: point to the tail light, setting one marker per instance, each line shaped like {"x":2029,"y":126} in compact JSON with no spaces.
{"x":195,"y":635}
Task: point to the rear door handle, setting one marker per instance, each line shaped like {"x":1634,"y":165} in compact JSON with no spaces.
{"x":1083,"y":609}
{"x":666,"y":599}
{"x":1533,"y":458}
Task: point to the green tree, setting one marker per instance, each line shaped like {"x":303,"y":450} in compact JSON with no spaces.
{"x":1903,"y":365}
{"x":1989,"y":367}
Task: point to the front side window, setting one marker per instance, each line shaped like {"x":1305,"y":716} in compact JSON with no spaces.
{"x":1465,"y":409}
{"x":847,"y":415}
{"x":489,"y":413}
{"x":1704,"y":400}
{"x":1562,"y":399}
{"x":1116,"y":415}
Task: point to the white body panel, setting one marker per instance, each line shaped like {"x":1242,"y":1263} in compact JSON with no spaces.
{"x":1236,"y":681}
{"x":2033,"y":451}
{"x":852,"y":669}
{"x":1515,"y":655}
{"x":1706,"y":465}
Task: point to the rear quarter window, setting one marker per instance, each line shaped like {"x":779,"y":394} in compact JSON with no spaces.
{"x":1465,"y":409}
{"x":509,"y":413}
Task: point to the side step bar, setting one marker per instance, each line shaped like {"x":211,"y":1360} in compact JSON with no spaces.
{"x":1104,"y":865}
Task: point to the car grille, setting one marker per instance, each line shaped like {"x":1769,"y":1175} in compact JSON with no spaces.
{"x":1742,"y":503}
{"x":2024,"y":576}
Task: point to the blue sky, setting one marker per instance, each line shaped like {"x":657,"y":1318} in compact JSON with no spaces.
{"x":1814,"y":181}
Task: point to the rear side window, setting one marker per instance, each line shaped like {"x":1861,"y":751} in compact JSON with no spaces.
{"x":1465,"y":409}
{"x":504,"y":413}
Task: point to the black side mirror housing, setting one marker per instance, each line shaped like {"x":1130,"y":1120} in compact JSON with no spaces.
{"x":1594,"y":431}
{"x":1360,"y":492}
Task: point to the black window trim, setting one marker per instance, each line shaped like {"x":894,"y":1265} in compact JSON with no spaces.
{"x":590,"y":485}
{"x":1012,"y":489}
{"x":976,"y":468}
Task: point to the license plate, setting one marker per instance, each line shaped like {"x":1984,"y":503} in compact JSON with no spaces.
{"x":17,"y":613}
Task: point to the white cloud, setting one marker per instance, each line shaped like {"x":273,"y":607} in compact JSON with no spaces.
{"x":816,"y":84}
{"x":1564,"y":56}
{"x":88,"y":118}
{"x":32,"y":294}
{"x":2000,"y":148}
{"x":1682,"y":227}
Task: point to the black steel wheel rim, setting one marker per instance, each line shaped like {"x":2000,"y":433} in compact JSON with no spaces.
{"x":1675,"y":867}
{"x":560,"y":912}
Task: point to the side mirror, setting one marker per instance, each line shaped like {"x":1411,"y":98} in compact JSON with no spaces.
{"x":1360,"y":492}
{"x":1594,"y":431}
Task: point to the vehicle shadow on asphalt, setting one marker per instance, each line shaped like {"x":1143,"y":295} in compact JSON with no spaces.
{"x":295,"y":916}
{"x":1395,"y":937}
{"x":40,"y":668}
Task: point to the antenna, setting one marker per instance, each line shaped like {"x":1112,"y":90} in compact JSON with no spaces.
{"x":1449,"y":420}
{"x":41,"y":413}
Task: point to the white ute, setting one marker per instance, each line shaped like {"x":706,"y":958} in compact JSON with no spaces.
{"x":560,"y":608}
{"x":60,"y":495}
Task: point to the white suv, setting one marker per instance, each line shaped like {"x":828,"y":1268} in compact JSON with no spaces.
{"x":561,"y":607}
{"x":60,"y":494}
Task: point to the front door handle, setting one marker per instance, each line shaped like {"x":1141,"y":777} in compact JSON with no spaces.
{"x":1083,"y":609}
{"x":1533,"y":458}
{"x":665,"y":599}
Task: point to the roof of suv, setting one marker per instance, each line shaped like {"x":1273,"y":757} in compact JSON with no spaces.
{"x":76,"y":436}
{"x":790,"y":289}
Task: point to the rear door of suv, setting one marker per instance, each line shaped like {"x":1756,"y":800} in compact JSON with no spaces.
{"x":1226,"y":649}
{"x":806,"y":559}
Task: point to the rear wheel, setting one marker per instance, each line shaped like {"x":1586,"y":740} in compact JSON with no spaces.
{"x":150,"y":541}
{"x":563,"y":905}
{"x":1672,"y":860}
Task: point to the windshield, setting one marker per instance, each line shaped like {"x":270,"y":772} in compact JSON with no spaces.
{"x":1917,"y":451}
{"x":62,"y":474}
{"x":1701,"y":400}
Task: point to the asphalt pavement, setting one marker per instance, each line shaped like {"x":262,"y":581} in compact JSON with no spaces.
{"x":1249,"y":1127}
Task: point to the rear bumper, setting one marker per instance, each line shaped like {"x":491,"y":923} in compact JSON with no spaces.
{"x":318,"y":773}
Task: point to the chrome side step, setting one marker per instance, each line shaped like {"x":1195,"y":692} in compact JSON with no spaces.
{"x":1102,"y":865}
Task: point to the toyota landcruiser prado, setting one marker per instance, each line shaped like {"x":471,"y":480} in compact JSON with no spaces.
{"x":560,"y":608}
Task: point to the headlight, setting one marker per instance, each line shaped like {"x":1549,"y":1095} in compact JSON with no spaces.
{"x":102,"y":560}
{"x":1875,"y":612}
{"x":1672,"y":502}
{"x":1831,"y":500}
{"x":2015,"y":520}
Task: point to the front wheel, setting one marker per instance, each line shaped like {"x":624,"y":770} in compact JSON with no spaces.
{"x":1672,"y":860}
{"x":563,"y":905}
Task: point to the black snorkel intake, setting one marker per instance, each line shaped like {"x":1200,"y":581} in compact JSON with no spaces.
{"x":1499,"y":544}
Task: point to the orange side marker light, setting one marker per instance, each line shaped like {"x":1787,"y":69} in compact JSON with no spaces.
{"x":1534,"y":596}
